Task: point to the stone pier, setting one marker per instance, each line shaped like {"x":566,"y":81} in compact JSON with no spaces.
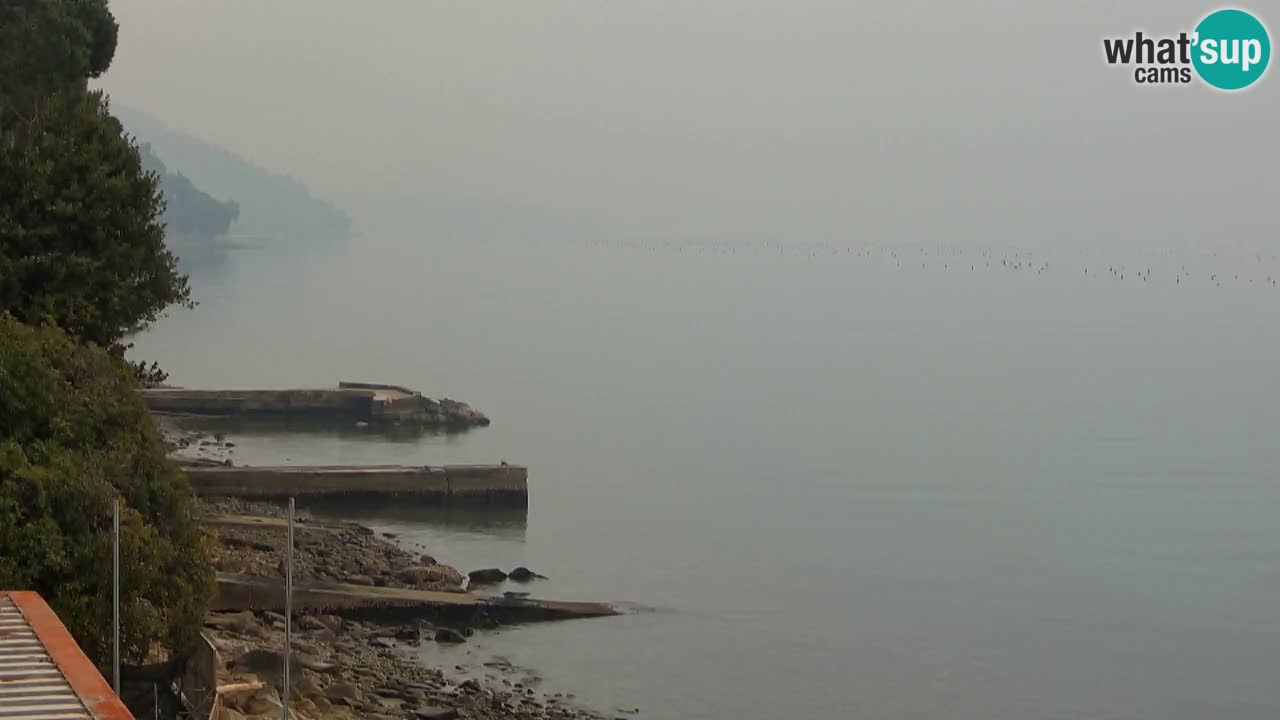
{"x":443,"y":484}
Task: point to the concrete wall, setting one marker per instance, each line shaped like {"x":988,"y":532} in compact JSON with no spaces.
{"x":374,"y":386}
{"x":356,"y":403}
{"x":405,"y":408}
{"x":479,"y":484}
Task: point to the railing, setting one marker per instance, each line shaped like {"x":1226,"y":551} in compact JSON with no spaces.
{"x":199,"y":683}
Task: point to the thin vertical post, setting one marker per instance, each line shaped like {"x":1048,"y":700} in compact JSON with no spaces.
{"x":115,"y":597}
{"x":288,"y":612}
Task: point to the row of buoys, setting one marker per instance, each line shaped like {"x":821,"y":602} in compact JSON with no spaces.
{"x":950,"y":259}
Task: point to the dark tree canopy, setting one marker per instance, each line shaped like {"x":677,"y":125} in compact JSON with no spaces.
{"x":48,"y":46}
{"x":81,"y":241}
{"x":83,"y":263}
{"x":74,"y":435}
{"x":81,"y":237}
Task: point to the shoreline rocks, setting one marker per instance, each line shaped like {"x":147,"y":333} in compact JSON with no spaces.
{"x":333,"y":552}
{"x":345,"y":668}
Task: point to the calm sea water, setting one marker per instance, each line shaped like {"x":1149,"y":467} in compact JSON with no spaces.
{"x":886,"y":482}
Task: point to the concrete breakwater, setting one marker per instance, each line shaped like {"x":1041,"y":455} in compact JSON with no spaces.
{"x":243,"y":592}
{"x":358,"y":402}
{"x":480,"y":484}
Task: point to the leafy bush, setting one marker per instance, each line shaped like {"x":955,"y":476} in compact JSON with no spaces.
{"x":74,"y":436}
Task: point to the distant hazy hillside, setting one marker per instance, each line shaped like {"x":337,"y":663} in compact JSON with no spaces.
{"x":189,"y":211}
{"x":276,"y":206}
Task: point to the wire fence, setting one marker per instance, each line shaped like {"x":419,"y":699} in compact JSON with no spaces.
{"x":197,"y":687}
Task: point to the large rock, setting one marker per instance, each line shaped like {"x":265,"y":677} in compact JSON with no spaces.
{"x":488,"y":576}
{"x":265,"y":703}
{"x":344,"y":692}
{"x":307,"y":685}
{"x":420,"y":575}
{"x":452,"y":412}
{"x":255,"y":701}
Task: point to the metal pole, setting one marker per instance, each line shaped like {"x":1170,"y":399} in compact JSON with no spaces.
{"x":288,"y":611}
{"x":115,"y":597}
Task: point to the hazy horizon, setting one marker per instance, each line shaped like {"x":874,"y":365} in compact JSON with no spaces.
{"x":727,"y":121}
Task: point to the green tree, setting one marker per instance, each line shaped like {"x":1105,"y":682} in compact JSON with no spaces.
{"x":81,"y":240}
{"x":74,"y":436}
{"x":47,"y":46}
{"x":81,"y":234}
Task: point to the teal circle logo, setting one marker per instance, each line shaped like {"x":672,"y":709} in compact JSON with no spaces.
{"x":1231,"y":49}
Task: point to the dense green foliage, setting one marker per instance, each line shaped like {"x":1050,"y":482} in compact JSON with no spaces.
{"x":82,"y":264}
{"x":48,"y":46}
{"x":74,"y":436}
{"x":81,"y":242}
{"x":81,"y":238}
{"x":188,"y":209}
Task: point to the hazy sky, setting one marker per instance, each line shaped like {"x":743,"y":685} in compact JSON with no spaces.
{"x":722,"y":118}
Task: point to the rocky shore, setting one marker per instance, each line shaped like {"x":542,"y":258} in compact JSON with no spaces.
{"x":345,"y":668}
{"x":341,"y":552}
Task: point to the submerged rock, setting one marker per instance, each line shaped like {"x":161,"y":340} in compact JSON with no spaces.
{"x":524,"y":574}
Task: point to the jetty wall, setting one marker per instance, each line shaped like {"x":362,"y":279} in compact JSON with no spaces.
{"x":244,"y":592}
{"x":339,"y":402}
{"x":478,"y":484}
{"x":366,"y":402}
